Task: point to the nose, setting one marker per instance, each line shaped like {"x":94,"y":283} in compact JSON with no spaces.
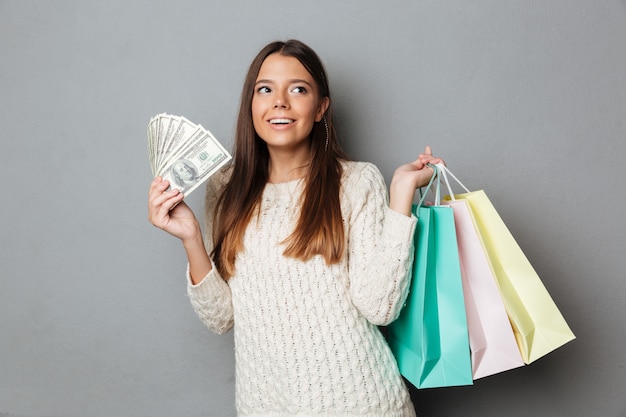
{"x":280,"y":104}
{"x":281,"y":101}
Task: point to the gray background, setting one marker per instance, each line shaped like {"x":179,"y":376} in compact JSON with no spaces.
{"x":525,"y":99}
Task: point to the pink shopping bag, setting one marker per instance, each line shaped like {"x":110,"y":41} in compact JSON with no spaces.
{"x":492,"y":341}
{"x":538,"y":325}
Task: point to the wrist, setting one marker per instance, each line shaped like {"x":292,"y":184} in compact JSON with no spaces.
{"x":401,"y":198}
{"x":194,"y":240}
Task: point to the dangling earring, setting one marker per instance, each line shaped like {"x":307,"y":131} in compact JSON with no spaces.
{"x":326,"y":127}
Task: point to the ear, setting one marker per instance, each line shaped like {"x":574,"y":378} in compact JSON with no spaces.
{"x":324,"y":103}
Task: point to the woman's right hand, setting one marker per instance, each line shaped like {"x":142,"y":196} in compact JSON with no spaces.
{"x":178,"y":221}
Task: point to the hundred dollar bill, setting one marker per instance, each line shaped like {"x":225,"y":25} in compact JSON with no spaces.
{"x":182,"y":152}
{"x":193,"y":164}
{"x":152,"y":137}
{"x":178,"y":132}
{"x":155,"y":139}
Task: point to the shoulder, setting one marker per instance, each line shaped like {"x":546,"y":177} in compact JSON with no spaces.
{"x":362,"y":184}
{"x":361,"y":174}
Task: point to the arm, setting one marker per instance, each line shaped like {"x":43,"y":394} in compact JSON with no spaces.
{"x":380,"y":248}
{"x":381,"y":239}
{"x":209,"y":294}
{"x":167,"y":211}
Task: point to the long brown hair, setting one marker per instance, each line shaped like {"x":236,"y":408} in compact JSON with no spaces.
{"x":319,"y":230}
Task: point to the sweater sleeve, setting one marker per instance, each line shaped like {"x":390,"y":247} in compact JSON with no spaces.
{"x":380,"y":248}
{"x":211,"y":298}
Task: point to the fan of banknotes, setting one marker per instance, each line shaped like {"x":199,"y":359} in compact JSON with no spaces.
{"x":184,"y":153}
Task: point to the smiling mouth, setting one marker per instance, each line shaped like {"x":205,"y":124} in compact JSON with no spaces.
{"x":281,"y":121}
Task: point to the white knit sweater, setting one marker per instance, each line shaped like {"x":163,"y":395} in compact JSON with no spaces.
{"x":306,"y":337}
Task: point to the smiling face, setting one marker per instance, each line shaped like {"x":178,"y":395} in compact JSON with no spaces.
{"x":286,"y":103}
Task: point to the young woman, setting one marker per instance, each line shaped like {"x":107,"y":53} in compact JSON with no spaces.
{"x":305,"y":254}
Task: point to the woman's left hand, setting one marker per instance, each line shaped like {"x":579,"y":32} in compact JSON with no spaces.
{"x":417,"y":174}
{"x":409,"y":177}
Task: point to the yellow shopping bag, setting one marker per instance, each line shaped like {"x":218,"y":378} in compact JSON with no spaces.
{"x":538,"y":324}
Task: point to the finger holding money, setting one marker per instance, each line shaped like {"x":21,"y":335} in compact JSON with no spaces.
{"x":168,"y":212}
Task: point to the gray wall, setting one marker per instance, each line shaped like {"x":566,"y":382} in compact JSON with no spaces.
{"x":525,"y":99}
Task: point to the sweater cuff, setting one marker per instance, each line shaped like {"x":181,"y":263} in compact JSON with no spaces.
{"x":397,"y":224}
{"x":210,"y":285}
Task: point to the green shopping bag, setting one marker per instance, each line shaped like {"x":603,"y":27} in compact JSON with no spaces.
{"x":430,"y":339}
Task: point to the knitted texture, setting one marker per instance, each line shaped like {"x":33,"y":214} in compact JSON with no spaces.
{"x":306,"y":335}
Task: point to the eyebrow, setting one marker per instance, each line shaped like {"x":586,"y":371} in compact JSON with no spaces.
{"x":294,"y":81}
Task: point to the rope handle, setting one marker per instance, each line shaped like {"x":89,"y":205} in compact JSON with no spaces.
{"x":434,"y":181}
{"x":445,"y":172}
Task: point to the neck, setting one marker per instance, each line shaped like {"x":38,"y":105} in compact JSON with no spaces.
{"x":285,"y":167}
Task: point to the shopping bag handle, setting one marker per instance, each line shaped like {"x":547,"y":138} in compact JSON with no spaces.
{"x":434,"y":180}
{"x":444,"y":173}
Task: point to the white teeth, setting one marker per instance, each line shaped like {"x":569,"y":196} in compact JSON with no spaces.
{"x":281,"y":121}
